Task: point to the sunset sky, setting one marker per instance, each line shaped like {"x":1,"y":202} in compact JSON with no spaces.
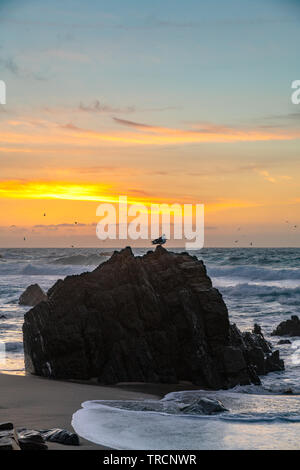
{"x":161,"y":101}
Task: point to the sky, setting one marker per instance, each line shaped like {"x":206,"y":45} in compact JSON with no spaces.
{"x":163,"y":101}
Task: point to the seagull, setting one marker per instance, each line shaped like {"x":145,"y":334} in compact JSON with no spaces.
{"x":159,"y":241}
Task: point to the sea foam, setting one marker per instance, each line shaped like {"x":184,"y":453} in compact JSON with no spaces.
{"x":126,"y":425}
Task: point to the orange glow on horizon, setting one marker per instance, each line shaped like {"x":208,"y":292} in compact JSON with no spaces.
{"x":102,"y":193}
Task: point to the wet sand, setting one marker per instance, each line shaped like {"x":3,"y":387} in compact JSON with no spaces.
{"x":37,"y":403}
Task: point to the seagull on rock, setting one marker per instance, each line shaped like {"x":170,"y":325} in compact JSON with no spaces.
{"x":159,"y":241}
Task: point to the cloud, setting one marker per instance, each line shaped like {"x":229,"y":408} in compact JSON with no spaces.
{"x":98,"y":107}
{"x":58,"y":226}
{"x":152,"y":22}
{"x":11,"y":65}
{"x":290,"y":116}
{"x":70,"y":135}
{"x":138,"y":192}
{"x":271,"y":179}
{"x":266,"y":175}
{"x":208,"y":132}
{"x":71,"y":127}
{"x":136,"y":125}
{"x":158,"y":23}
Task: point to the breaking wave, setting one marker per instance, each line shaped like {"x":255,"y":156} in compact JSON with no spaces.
{"x":269,"y":293}
{"x":254,"y":273}
{"x":139,"y":424}
{"x":82,"y":260}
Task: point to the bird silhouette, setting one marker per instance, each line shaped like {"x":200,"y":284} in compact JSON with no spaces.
{"x":160,"y":240}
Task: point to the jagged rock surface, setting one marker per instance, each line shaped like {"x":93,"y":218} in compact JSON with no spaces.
{"x":154,"y":318}
{"x":32,"y":296}
{"x":290,"y":327}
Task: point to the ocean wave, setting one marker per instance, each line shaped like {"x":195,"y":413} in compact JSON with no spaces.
{"x":251,"y":389}
{"x":254,"y":273}
{"x":82,"y":260}
{"x":269,"y":293}
{"x":50,"y":270}
{"x":262,"y":418}
{"x":113,"y":425}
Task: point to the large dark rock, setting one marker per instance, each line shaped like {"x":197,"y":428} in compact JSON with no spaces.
{"x":31,"y":440}
{"x":290,"y":327}
{"x":32,"y":296}
{"x":154,"y":318}
{"x":61,"y":436}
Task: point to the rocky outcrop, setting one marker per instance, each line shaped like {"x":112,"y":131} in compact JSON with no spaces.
{"x":155,"y":318}
{"x":203,"y":406}
{"x":32,"y":296}
{"x":290,"y":327}
{"x":284,"y":341}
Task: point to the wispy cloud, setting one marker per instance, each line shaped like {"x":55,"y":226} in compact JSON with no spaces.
{"x":50,"y":134}
{"x":101,"y":107}
{"x":11,"y":65}
{"x":136,"y":125}
{"x":153,"y":22}
{"x":98,"y":107}
{"x":266,"y":175}
{"x":271,"y":179}
{"x":291,"y":116}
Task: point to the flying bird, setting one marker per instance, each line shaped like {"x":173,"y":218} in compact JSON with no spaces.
{"x":159,"y":241}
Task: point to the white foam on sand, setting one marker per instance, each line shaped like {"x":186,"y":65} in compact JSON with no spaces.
{"x":252,"y":422}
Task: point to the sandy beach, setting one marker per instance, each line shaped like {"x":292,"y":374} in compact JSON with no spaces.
{"x":37,"y":403}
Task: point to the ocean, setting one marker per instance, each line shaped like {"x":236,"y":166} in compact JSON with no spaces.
{"x":259,"y":285}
